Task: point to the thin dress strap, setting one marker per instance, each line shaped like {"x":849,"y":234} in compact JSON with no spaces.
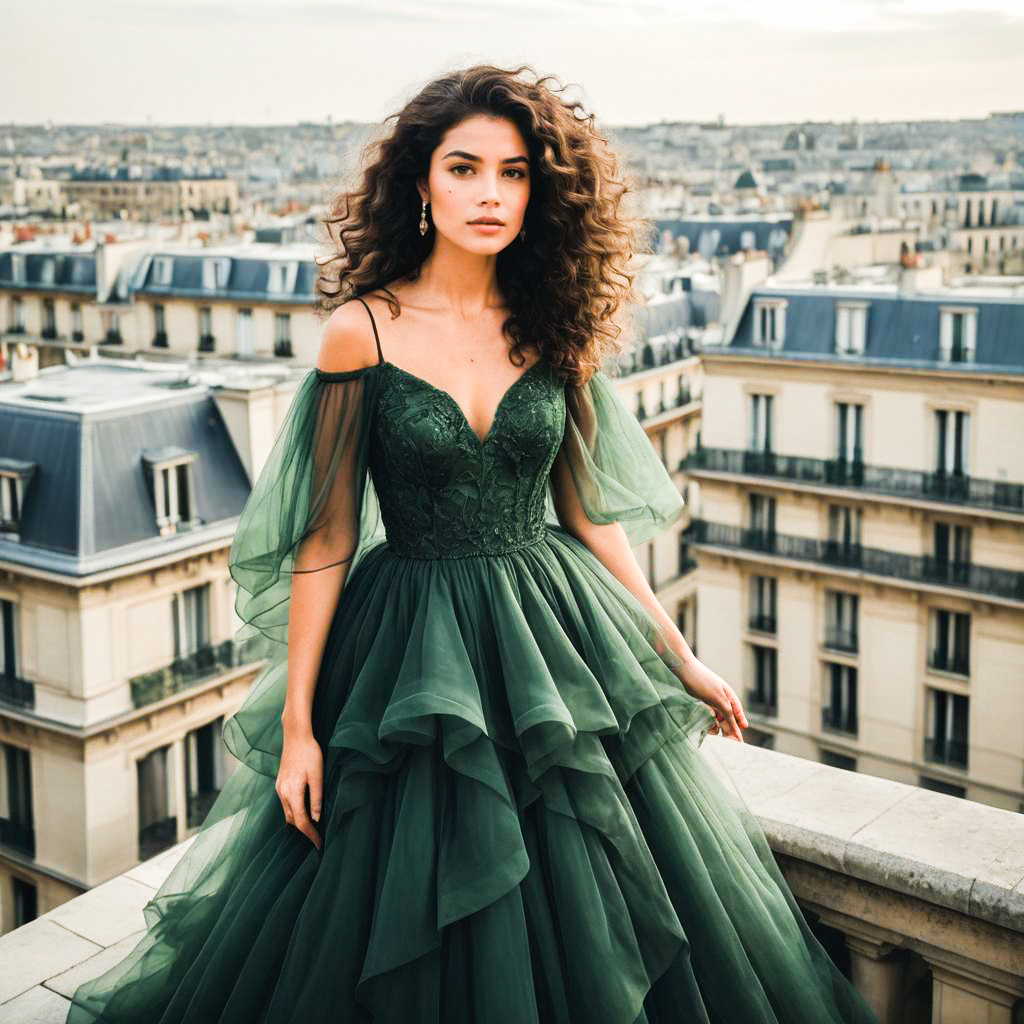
{"x":376,"y":336}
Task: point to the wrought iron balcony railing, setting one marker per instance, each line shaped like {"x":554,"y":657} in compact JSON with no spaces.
{"x":981,"y":579}
{"x":942,"y":485}
{"x":190,"y":670}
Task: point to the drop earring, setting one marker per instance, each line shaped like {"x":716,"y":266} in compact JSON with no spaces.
{"x":423,"y":218}
{"x":522,"y":235}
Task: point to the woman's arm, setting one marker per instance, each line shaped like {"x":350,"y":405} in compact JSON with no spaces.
{"x":610,"y":545}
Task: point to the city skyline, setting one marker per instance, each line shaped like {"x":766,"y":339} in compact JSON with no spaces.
{"x":221,"y":62}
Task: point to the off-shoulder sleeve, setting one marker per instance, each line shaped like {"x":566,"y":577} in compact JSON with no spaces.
{"x":617,"y":475}
{"x":314,"y":484}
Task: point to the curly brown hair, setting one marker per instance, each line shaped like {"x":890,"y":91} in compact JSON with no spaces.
{"x":565,"y":283}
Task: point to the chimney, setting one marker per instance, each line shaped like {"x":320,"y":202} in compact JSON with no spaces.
{"x":24,"y":363}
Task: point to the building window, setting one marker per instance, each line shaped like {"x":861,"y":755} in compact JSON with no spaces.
{"x":158,"y":827}
{"x":163,"y":271}
{"x":205,"y":329}
{"x":769,"y":322}
{"x":841,"y":611}
{"x":26,"y":901}
{"x":761,"y":509}
{"x":17,"y":321}
{"x":18,"y":267}
{"x":837,"y":760}
{"x":941,"y":786}
{"x":761,"y":697}
{"x":17,"y":824}
{"x":951,"y":434}
{"x":172,"y":480}
{"x":77,"y":331}
{"x":215,"y":272}
{"x":949,"y":635}
{"x":283,"y":334}
{"x":839,"y":709}
{"x":843,"y":546}
{"x":49,"y":319}
{"x":48,"y":271}
{"x":205,"y":770}
{"x":15,"y":476}
{"x":850,"y":431}
{"x":762,"y":603}
{"x":760,"y":423}
{"x":244,"y":339}
{"x":190,"y":612}
{"x":851,"y":327}
{"x":946,"y":737}
{"x":957,"y":332}
{"x":951,"y":553}
{"x":281,"y":278}
{"x":159,"y":326}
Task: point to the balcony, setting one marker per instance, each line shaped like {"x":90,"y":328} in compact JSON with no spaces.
{"x":949,"y":752}
{"x":980,"y":579}
{"x":17,"y":692}
{"x":760,"y":703}
{"x":761,"y":622}
{"x":839,"y":720}
{"x":840,"y":638}
{"x":188,"y":671}
{"x":949,"y":487}
{"x":921,"y":889}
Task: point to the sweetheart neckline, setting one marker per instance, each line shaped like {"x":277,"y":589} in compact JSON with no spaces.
{"x":481,"y":442}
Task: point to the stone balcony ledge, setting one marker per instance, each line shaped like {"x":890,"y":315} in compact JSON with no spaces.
{"x":908,"y":876}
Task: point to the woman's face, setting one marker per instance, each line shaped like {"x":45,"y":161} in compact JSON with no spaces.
{"x":480,"y":169}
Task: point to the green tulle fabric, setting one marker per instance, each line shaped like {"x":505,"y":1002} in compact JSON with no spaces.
{"x":519,"y":826}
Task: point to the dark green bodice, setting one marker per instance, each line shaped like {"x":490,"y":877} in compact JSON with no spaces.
{"x":443,"y":492}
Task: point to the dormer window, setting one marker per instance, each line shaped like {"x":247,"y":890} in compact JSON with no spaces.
{"x":957,"y":331}
{"x":18,"y":267}
{"x":163,"y":271}
{"x":47,"y":272}
{"x":171,"y":478}
{"x":281,"y":278}
{"x":215,"y":272}
{"x":15,"y":475}
{"x":851,"y":327}
{"x":769,"y":322}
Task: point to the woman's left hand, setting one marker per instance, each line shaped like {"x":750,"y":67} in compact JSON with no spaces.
{"x":706,"y":685}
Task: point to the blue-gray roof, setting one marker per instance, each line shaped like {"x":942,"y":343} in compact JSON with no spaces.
{"x":901,"y":330}
{"x":248,"y":278}
{"x":88,"y":504}
{"x":52,"y":271}
{"x":718,"y":235}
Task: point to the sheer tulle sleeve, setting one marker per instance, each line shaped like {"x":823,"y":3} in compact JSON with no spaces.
{"x":617,"y":475}
{"x":314,"y":484}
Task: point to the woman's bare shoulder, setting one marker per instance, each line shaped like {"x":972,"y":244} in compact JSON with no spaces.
{"x":347,"y":342}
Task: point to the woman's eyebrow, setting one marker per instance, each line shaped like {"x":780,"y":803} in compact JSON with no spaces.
{"x":469,"y":156}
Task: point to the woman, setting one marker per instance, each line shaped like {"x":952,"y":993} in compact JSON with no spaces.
{"x":470,"y":786}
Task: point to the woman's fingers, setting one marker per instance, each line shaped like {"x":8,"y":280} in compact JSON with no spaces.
{"x":292,"y":795}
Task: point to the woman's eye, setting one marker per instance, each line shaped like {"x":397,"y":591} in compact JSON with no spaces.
{"x":517,"y":171}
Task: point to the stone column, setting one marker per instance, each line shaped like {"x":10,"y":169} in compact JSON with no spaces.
{"x":178,"y":776}
{"x":877,"y":964}
{"x":966,"y":992}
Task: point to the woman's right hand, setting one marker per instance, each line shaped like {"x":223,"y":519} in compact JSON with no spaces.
{"x":302,"y":767}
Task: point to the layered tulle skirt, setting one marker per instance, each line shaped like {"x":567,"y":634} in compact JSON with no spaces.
{"x":518,"y":827}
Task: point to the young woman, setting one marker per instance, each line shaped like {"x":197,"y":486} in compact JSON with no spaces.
{"x":469,"y":787}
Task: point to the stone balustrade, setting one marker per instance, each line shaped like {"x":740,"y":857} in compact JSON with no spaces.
{"x":918,"y":895}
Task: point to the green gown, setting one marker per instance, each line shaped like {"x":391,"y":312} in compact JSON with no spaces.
{"x":518,"y":826}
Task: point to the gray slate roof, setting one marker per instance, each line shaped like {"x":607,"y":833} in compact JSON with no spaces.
{"x":88,"y":505}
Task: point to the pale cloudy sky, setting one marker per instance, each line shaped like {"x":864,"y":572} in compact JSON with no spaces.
{"x":273,"y":61}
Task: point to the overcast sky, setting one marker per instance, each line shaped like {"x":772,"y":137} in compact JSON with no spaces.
{"x":274,"y":61}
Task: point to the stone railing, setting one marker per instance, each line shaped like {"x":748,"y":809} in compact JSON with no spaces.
{"x":923,"y":891}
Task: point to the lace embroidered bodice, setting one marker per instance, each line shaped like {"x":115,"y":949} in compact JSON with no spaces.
{"x":443,"y":492}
